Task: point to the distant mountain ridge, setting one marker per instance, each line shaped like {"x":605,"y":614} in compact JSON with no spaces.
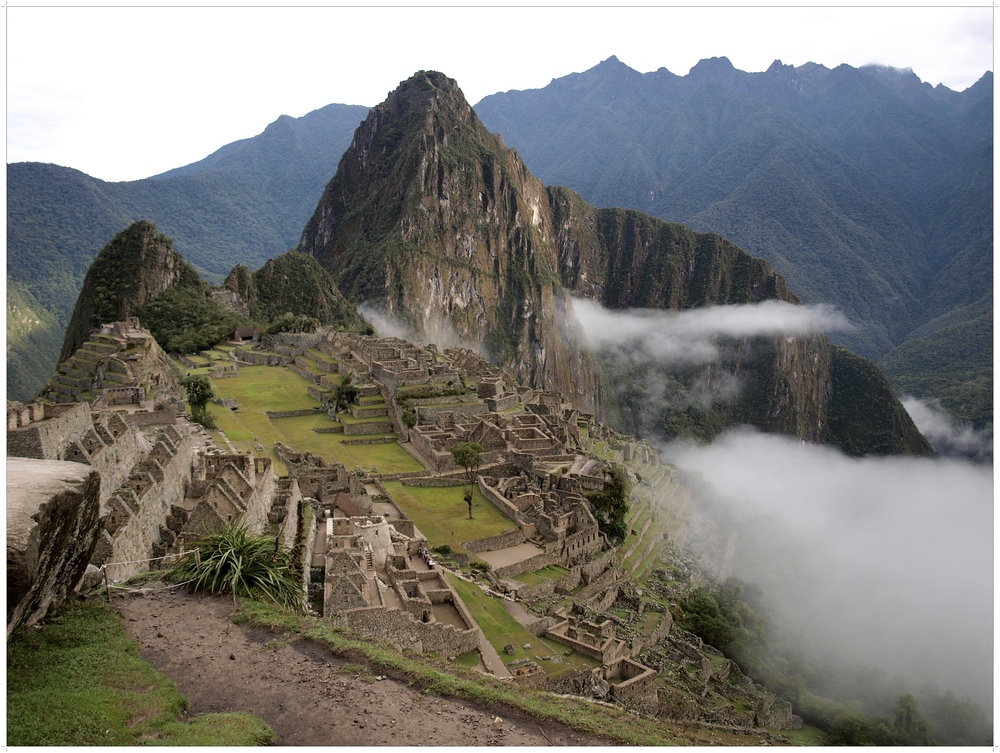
{"x":865,"y":188}
{"x":432,"y":220}
{"x":245,"y":203}
{"x":893,"y":226}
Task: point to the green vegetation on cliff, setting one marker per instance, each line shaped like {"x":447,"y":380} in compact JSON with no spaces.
{"x":186,"y":320}
{"x":948,"y":364}
{"x":864,"y":419}
{"x":134,"y":268}
{"x":295,"y":283}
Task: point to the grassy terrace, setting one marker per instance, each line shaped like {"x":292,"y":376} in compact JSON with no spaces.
{"x":537,"y":577}
{"x":270,"y":388}
{"x":501,"y":629}
{"x":442,"y":516}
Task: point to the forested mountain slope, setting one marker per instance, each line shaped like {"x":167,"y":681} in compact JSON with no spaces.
{"x":245,"y":203}
{"x":865,"y":188}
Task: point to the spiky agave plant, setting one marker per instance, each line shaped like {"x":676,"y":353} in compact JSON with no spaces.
{"x":244,"y":564}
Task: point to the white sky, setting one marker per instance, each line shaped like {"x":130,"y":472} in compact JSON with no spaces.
{"x":123,"y":93}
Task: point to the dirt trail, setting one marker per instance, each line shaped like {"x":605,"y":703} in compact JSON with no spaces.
{"x":307,"y":695}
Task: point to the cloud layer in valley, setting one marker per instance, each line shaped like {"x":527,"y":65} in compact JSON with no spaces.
{"x":886,"y":562}
{"x":948,"y":436}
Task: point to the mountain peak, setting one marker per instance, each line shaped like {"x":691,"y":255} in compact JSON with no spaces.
{"x":712,"y":68}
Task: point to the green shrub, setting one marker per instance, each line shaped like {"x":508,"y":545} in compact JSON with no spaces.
{"x":244,"y":564}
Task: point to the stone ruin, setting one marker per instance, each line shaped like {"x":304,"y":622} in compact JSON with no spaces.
{"x":132,"y":489}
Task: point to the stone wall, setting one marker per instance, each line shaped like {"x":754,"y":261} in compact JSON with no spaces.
{"x":53,"y":520}
{"x":564,"y":583}
{"x":45,"y":432}
{"x":637,"y":687}
{"x":599,"y":565}
{"x":371,"y":427}
{"x":258,"y":358}
{"x":502,"y":504}
{"x":291,"y":413}
{"x":402,"y":630}
{"x":162,"y":417}
{"x":452,"y":480}
{"x":526,"y":566}
{"x":369,"y":440}
{"x":136,"y":529}
{"x":511,"y":537}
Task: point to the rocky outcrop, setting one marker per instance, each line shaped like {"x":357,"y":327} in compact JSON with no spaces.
{"x":137,"y":265}
{"x":433,"y":220}
{"x":53,"y":520}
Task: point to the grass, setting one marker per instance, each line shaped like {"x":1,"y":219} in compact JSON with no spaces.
{"x":545,"y":574}
{"x":442,"y":515}
{"x":260,"y":388}
{"x":805,"y":736}
{"x":80,"y":681}
{"x":501,"y":629}
{"x":425,"y":672}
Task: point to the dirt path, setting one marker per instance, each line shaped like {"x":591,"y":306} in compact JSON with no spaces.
{"x":307,"y":695}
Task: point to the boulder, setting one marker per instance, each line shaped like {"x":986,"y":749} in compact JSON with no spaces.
{"x":53,"y":521}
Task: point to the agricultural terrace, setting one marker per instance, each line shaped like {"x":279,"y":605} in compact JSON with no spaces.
{"x":442,"y":515}
{"x":502,"y":629}
{"x":270,"y":388}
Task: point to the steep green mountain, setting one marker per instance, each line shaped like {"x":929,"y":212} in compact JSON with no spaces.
{"x":925,"y":366}
{"x":864,"y":188}
{"x":293,"y":283}
{"x":32,"y":333}
{"x":433,"y":220}
{"x":140,"y":274}
{"x":245,"y":203}
{"x":137,"y":266}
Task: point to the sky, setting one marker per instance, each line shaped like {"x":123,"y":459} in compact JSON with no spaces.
{"x":124,"y":93}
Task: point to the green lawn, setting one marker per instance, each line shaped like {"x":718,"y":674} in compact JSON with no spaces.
{"x":80,"y":681}
{"x":551,"y":572}
{"x":501,"y":629}
{"x":805,"y":736}
{"x":441,"y":514}
{"x":271,"y":388}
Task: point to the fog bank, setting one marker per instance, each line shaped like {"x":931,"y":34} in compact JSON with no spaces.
{"x":880,"y":561}
{"x":689,"y":336}
{"x":948,"y":436}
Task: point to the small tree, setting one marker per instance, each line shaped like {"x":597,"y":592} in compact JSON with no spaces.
{"x":469,"y":455}
{"x":611,"y":505}
{"x":199,"y":392}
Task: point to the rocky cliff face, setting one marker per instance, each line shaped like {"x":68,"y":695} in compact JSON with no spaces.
{"x":138,"y":265}
{"x":431,"y":219}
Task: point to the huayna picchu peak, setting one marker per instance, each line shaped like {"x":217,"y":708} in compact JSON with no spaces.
{"x":432,"y":220}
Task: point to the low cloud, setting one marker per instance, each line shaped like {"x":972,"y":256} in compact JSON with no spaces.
{"x":886,"y":562}
{"x":690,"y":336}
{"x":947,"y":435}
{"x":436,"y":329}
{"x":385,"y":324}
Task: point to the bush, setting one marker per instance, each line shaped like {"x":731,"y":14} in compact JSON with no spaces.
{"x":244,"y":564}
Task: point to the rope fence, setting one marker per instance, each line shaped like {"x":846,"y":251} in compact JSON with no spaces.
{"x":108,"y":585}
